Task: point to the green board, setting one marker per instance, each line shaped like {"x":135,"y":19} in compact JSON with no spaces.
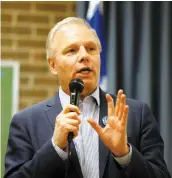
{"x":9,"y":101}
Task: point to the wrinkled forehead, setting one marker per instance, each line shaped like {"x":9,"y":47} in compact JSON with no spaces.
{"x":75,"y":33}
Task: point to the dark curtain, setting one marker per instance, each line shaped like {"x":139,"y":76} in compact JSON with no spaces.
{"x":139,"y":57}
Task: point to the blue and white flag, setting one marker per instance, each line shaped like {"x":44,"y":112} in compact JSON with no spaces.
{"x":95,"y":19}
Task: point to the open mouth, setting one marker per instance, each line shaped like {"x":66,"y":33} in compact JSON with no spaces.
{"x":85,"y":70}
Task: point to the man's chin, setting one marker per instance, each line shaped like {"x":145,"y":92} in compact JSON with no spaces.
{"x":88,"y":83}
{"x":88,"y":89}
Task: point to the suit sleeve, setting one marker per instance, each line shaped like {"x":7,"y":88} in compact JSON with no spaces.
{"x":22,"y":161}
{"x":148,"y":162}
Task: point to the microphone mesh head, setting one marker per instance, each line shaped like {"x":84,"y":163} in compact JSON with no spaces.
{"x":76,"y":85}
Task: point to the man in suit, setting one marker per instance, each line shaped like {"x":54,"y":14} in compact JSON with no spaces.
{"x":125,"y":144}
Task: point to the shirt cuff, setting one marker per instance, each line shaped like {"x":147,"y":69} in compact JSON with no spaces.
{"x":61,"y":153}
{"x":123,"y":161}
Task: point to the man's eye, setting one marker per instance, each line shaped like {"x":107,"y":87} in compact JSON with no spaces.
{"x":72,"y":50}
{"x":91,"y":49}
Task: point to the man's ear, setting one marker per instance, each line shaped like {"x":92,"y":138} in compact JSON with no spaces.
{"x":52,"y":65}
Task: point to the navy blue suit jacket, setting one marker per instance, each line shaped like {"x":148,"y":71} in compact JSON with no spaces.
{"x":30,"y":153}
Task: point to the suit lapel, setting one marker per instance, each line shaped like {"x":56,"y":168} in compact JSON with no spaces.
{"x":103,"y":150}
{"x":54,"y":107}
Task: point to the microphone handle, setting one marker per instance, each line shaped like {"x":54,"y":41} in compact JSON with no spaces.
{"x":70,"y":136}
{"x":74,"y":99}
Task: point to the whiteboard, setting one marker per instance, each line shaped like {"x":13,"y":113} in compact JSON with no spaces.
{"x":9,"y":74}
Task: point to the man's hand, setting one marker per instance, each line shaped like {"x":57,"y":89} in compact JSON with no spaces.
{"x":114,"y":135}
{"x":67,"y":121}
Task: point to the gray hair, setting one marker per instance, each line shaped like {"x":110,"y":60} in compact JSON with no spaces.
{"x":69,"y":20}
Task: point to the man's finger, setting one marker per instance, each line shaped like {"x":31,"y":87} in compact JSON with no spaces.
{"x":73,"y":116}
{"x":125,"y":115}
{"x":117,"y":106}
{"x":71,"y":108}
{"x":95,"y":126}
{"x":110,"y":103}
{"x":122,"y":106}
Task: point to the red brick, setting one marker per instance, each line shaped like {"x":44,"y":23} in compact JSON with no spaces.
{"x":16,"y":5}
{"x":43,"y":31}
{"x":6,"y":17}
{"x":56,"y":6}
{"x":31,"y":43}
{"x":33,"y":18}
{"x":23,"y":105}
{"x":24,"y":80}
{"x":58,"y":18}
{"x":48,"y":81}
{"x":36,"y":56}
{"x":6,"y":42}
{"x":74,"y":7}
{"x":33,"y":93}
{"x":19,"y":55}
{"x":31,"y":68}
{"x":16,"y":30}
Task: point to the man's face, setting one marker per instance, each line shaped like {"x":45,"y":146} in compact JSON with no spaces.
{"x":77,"y":56}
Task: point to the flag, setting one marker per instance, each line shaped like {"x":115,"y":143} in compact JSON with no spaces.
{"x":95,"y":19}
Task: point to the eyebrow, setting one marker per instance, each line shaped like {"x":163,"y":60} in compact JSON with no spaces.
{"x":85,"y":44}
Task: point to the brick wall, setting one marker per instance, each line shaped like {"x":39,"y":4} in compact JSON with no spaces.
{"x":24,"y":29}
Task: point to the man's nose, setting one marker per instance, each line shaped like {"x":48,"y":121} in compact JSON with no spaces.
{"x":83,"y":54}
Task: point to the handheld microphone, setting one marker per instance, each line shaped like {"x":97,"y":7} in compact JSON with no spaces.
{"x":76,"y":86}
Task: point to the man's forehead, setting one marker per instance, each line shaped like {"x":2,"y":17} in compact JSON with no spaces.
{"x":75,"y":31}
{"x":74,"y":34}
